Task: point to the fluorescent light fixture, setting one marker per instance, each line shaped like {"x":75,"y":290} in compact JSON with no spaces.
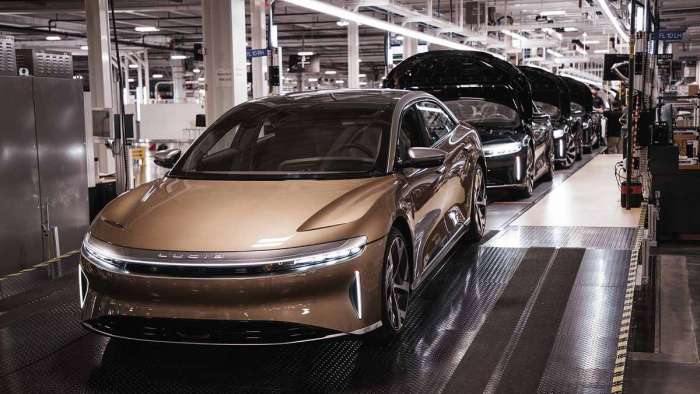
{"x":146,"y":29}
{"x":53,"y":38}
{"x":342,"y":23}
{"x":83,"y":47}
{"x":570,"y":29}
{"x":133,"y":65}
{"x":400,"y":38}
{"x":362,"y":83}
{"x":590,"y":42}
{"x":552,"y":13}
{"x":331,"y":72}
{"x":362,"y":75}
{"x":340,"y":81}
{"x":601,"y":51}
{"x":130,"y":80}
{"x":554,"y":53}
{"x":157,"y":76}
{"x":196,"y":70}
{"x":341,"y":13}
{"x":200,"y":79}
{"x":313,"y":79}
{"x":553,"y":33}
{"x":305,"y":53}
{"x":247,"y":63}
{"x":178,"y":57}
{"x":605,"y":6}
{"x":514,"y":35}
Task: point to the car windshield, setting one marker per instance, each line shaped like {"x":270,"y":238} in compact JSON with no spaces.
{"x":313,"y":140}
{"x":480,"y":112}
{"x":551,"y":110}
{"x":576,"y":108}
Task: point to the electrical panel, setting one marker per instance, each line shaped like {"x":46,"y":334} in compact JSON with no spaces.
{"x":40,"y":63}
{"x":8,"y":63}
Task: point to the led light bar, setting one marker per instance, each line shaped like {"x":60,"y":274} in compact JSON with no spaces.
{"x":341,"y":13}
{"x":514,"y":35}
{"x":613,"y":19}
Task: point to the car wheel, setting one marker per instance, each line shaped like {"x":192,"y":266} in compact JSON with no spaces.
{"x":579,"y":149}
{"x":530,"y":174}
{"x":596,"y":144}
{"x":396,"y":286}
{"x":477,"y":224}
{"x":549,"y":175}
{"x":570,"y":154}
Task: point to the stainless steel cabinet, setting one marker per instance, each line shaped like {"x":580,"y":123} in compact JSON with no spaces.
{"x":43,"y":179}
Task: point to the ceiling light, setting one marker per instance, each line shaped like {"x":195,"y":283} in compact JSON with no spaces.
{"x":591,"y":42}
{"x":53,"y":38}
{"x":342,"y":23}
{"x":613,"y":19}
{"x":247,"y":63}
{"x":554,"y":53}
{"x":330,"y":72}
{"x":146,"y":29}
{"x":130,"y":80}
{"x":178,"y":57}
{"x":400,"y":38}
{"x":339,"y":81}
{"x":133,"y":65}
{"x":83,"y":47}
{"x":601,"y":51}
{"x":569,"y":29}
{"x":552,"y":13}
{"x":313,"y":79}
{"x":196,"y":70}
{"x":305,"y":53}
{"x":338,"y":12}
{"x":157,"y":76}
{"x":363,"y":83}
{"x":514,"y":35}
{"x":200,"y":79}
{"x":362,"y":75}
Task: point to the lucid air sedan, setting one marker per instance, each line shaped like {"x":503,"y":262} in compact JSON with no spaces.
{"x":551,"y":95}
{"x":292,"y":218}
{"x":495,"y":97}
{"x":582,"y":112}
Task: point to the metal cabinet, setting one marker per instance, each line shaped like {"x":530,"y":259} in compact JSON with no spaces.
{"x":43,"y":177}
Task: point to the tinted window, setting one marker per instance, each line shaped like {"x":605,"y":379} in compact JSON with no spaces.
{"x":291,"y":141}
{"x":484,"y":113}
{"x":411,"y":132}
{"x":437,"y":122}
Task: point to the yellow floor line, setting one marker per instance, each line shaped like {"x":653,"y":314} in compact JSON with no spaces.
{"x":39,"y":265}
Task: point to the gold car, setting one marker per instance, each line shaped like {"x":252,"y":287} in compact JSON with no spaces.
{"x":292,"y":218}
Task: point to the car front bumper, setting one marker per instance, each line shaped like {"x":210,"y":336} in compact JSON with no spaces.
{"x":318,"y":303}
{"x":507,"y":171}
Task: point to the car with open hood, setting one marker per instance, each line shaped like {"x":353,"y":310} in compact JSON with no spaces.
{"x":582,"y":112}
{"x":551,"y":94}
{"x":494,"y":97}
{"x":291,"y":218}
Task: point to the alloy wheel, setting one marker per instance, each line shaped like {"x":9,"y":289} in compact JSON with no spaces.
{"x":396,"y":283}
{"x":571,"y":151}
{"x":479,"y":198}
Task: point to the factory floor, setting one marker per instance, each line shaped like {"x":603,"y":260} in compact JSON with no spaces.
{"x":537,"y":306}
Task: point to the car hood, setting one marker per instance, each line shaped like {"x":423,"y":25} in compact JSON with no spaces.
{"x":205,"y":215}
{"x":490,"y":136}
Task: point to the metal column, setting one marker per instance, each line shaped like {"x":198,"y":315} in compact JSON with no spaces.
{"x":258,"y":40}
{"x":224,"y":55}
{"x":178,"y":70}
{"x":98,"y":40}
{"x":353,"y":56}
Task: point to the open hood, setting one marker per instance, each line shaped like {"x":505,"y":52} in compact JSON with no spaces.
{"x":452,"y":74}
{"x":580,"y":93}
{"x":548,"y":88}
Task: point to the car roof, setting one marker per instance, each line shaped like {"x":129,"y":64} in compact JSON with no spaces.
{"x":361,"y":96}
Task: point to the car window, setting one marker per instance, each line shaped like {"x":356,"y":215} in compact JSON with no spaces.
{"x":411,"y":132}
{"x":437,"y":122}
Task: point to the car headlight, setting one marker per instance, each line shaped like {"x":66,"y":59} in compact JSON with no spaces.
{"x":502,"y":149}
{"x":115,"y":259}
{"x":557,"y":133}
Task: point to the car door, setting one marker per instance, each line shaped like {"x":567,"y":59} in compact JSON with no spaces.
{"x":435,"y":192}
{"x":541,"y":130}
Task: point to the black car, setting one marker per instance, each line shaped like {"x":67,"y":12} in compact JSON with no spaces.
{"x":551,"y":95}
{"x":582,"y":110}
{"x":495,"y":97}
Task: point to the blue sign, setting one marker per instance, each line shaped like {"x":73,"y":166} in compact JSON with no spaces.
{"x":251,"y":53}
{"x":670,"y":35}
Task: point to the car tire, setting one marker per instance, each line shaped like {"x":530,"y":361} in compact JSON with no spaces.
{"x":477,"y":222}
{"x":395,"y":288}
{"x":579,"y":149}
{"x":529,"y":188}
{"x":549,"y":175}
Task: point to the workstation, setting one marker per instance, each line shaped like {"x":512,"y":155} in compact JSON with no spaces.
{"x":334,"y":196}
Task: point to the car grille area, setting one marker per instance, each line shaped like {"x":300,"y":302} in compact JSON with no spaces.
{"x":231,"y":332}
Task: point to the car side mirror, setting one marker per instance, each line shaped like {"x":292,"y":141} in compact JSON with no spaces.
{"x":167,"y":158}
{"x":424,"y":158}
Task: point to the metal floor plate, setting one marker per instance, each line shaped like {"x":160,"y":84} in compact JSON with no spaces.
{"x":616,"y":238}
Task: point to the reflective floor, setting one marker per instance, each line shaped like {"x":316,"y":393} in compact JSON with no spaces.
{"x":530,"y":309}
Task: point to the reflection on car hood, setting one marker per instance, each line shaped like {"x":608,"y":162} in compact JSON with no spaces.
{"x":203,"y":215}
{"x":496,"y":136}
